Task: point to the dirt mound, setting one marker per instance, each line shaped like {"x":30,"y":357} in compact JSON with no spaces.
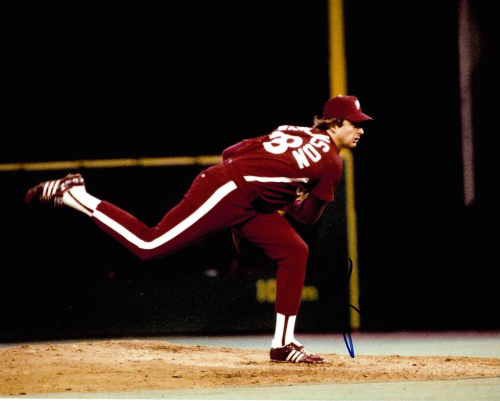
{"x":155,"y":365}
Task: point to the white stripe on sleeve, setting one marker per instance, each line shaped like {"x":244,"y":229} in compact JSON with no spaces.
{"x":251,"y":178}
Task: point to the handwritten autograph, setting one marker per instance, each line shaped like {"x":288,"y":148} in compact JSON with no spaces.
{"x":347,"y":332}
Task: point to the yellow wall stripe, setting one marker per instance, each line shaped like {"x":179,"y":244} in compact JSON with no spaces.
{"x":113,"y":163}
{"x":338,"y":86}
{"x":337,"y":64}
{"x":352,"y":237}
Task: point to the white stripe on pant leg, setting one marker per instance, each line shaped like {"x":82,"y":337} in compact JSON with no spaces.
{"x":218,"y":195}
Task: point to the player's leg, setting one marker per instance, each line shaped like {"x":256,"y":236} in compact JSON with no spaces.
{"x":212,"y":203}
{"x":279,"y":240}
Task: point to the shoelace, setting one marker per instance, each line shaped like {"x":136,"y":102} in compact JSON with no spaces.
{"x":304,"y":351}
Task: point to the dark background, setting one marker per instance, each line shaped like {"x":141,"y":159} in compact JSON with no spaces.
{"x":192,"y":79}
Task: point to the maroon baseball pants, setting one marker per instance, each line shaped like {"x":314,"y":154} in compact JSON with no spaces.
{"x":215,"y":203}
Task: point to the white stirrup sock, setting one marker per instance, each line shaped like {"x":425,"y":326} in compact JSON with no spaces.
{"x":79,"y":199}
{"x":285,"y":328}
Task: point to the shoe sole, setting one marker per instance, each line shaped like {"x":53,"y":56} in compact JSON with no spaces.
{"x":298,"y":363}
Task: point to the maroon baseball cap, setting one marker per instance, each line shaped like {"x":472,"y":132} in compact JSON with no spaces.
{"x":347,"y":107}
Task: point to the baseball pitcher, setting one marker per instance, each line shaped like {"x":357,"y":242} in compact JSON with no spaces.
{"x":293,"y":170}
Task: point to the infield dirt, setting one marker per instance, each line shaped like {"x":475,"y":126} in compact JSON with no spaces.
{"x":155,"y":365}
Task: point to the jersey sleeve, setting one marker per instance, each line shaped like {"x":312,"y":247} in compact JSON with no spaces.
{"x":328,"y":180}
{"x":308,"y":210}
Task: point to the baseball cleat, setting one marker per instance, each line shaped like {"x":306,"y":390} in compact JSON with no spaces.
{"x":294,"y":353}
{"x":54,"y":190}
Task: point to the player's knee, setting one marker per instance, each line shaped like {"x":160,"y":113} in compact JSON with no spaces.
{"x":298,"y":250}
{"x":303,"y":249}
{"x":146,"y":254}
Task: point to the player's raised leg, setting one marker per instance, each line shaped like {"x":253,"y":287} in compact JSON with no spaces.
{"x":212,"y":203}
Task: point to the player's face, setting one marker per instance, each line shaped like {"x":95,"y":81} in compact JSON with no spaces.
{"x":348,"y":135}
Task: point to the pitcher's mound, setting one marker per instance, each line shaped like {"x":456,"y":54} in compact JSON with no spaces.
{"x":154,"y":365}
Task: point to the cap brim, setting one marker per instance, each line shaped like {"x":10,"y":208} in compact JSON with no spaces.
{"x":358,"y":117}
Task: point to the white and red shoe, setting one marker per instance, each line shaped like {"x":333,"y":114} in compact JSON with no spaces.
{"x":294,"y":353}
{"x":54,"y":190}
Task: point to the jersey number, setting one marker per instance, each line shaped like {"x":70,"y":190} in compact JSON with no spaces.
{"x":280,"y":142}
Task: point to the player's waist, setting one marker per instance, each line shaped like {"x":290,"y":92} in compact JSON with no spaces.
{"x":242,"y":176}
{"x":274,"y":189}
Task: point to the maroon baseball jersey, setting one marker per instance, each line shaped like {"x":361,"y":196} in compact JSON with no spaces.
{"x":285,"y":164}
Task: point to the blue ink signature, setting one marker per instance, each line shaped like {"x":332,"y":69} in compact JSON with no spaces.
{"x":347,"y":333}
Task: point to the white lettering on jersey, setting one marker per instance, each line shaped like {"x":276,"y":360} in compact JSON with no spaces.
{"x":281,"y":142}
{"x":311,"y":152}
{"x":321,"y":141}
{"x":301,"y":158}
{"x":307,"y":130}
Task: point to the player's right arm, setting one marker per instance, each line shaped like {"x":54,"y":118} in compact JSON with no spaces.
{"x":308,"y":210}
